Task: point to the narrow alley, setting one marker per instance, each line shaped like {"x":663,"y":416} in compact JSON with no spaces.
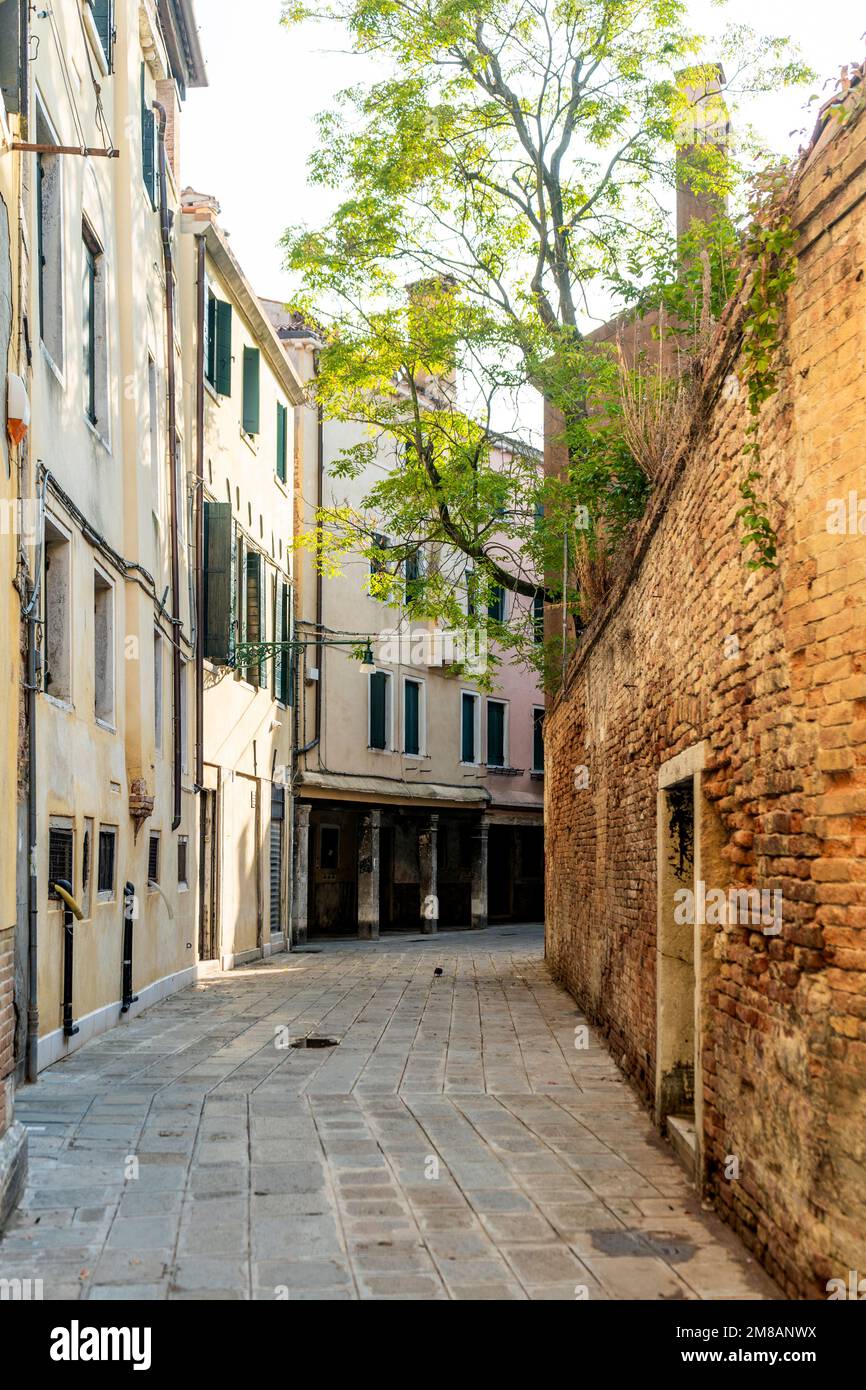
{"x":462,"y":1138}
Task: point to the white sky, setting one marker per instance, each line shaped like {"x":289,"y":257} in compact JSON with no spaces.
{"x":246,"y":138}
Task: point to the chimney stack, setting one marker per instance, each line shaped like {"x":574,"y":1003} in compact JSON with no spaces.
{"x":704,"y":121}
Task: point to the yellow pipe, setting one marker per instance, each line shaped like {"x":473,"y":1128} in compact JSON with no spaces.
{"x":69,"y":900}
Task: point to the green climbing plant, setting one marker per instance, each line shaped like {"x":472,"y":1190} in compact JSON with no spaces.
{"x":772,"y":265}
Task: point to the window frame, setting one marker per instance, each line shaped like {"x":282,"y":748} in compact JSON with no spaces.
{"x":102,"y":583}
{"x":60,"y":825}
{"x":389,"y":711}
{"x":503,"y":705}
{"x":538,"y":710}
{"x":183,"y":883}
{"x":422,"y":716}
{"x":106,"y":895}
{"x":476,"y":727}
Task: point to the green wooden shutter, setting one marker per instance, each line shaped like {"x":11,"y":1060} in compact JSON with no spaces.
{"x":412,"y":730}
{"x":241,"y":595}
{"x":495,"y":734}
{"x":254,"y":611}
{"x":223,"y":349}
{"x":282,"y":441}
{"x":148,"y":143}
{"x":378,"y":709}
{"x":218,"y":581}
{"x":251,"y":390}
{"x":467,"y":736}
{"x":103,"y":17}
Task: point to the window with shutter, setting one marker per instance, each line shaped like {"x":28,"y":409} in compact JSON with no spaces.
{"x":103,"y":18}
{"x":379,"y":709}
{"x":219,"y":586}
{"x":496,"y":607}
{"x":467,"y":728}
{"x":148,"y":142}
{"x":538,"y":740}
{"x":282,"y":660}
{"x":252,"y":361}
{"x":282,"y":441}
{"x":255,"y":611}
{"x":223,"y":348}
{"x":412,"y":718}
{"x":495,"y":734}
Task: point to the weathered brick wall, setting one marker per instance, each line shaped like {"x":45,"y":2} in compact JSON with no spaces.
{"x":784,"y":1031}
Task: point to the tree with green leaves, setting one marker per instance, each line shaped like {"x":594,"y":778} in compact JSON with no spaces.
{"x":503,"y":174}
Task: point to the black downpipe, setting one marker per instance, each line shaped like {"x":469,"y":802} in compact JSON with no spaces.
{"x":168,"y":262}
{"x":201,"y":310}
{"x":128,"y":924}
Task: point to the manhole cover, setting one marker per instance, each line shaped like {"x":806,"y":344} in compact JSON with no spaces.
{"x":306,"y":951}
{"x":313,"y":1041}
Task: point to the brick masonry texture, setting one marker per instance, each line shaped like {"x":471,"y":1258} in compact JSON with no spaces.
{"x":783,"y":1023}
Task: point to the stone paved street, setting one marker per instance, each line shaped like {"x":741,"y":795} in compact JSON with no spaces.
{"x":188,"y":1155}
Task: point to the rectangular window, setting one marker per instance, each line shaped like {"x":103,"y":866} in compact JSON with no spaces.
{"x":378,"y":562}
{"x":282,"y":441}
{"x":380,"y":709}
{"x":414,"y":570}
{"x":495,"y":733}
{"x":468,"y":727}
{"x":94,"y":332}
{"x":184,"y":716}
{"x":282,"y":658}
{"x":252,"y":371}
{"x":254,"y":628}
{"x":218,"y":353}
{"x":471,"y":605}
{"x":103,"y":648}
{"x":496,"y":606}
{"x":49,"y":242}
{"x":87,"y":865}
{"x":153,"y":858}
{"x":56,"y":641}
{"x":103,"y":19}
{"x":412,"y":701}
{"x":182,"y":868}
{"x":59,"y":857}
{"x":105,"y":864}
{"x":538,"y":740}
{"x":149,"y":170}
{"x":538,"y":616}
{"x":157,"y":690}
{"x":329,"y":847}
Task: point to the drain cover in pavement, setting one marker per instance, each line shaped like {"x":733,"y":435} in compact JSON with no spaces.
{"x":313,"y":1041}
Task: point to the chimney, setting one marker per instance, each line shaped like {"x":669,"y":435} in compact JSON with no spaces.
{"x":202,"y":206}
{"x":703,"y":121}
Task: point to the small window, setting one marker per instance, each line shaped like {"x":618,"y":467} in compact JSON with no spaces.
{"x":218,"y":349}
{"x":412,"y":700}
{"x":468,"y":727}
{"x":153,"y":859}
{"x":103,"y":19}
{"x":538,"y":616}
{"x":414,"y":570}
{"x":495,"y":733}
{"x":538,"y":740}
{"x":496,"y":606}
{"x":56,"y":640}
{"x":378,"y":560}
{"x":103,"y":645}
{"x":149,"y":170}
{"x":255,"y":611}
{"x":380,"y":709}
{"x":105,"y":865}
{"x":282,"y":441}
{"x":329,"y":847}
{"x":252,"y":371}
{"x":49,"y":242}
{"x":182,"y":869}
{"x":157,"y":690}
{"x":59,"y":857}
{"x":94,"y":332}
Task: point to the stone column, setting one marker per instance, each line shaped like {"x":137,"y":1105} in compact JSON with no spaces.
{"x":368,"y":876}
{"x":428,"y":860}
{"x":479,"y":874}
{"x":301,"y":869}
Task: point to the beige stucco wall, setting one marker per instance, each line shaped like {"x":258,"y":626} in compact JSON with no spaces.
{"x":87,"y":768}
{"x":248,"y":731}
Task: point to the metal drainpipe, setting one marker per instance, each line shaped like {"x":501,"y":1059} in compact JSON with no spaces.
{"x":168,"y":262}
{"x":201,"y":309}
{"x":31,"y":614}
{"x":320,"y":607}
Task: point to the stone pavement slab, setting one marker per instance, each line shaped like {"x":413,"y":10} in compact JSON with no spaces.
{"x":454,"y":1144}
